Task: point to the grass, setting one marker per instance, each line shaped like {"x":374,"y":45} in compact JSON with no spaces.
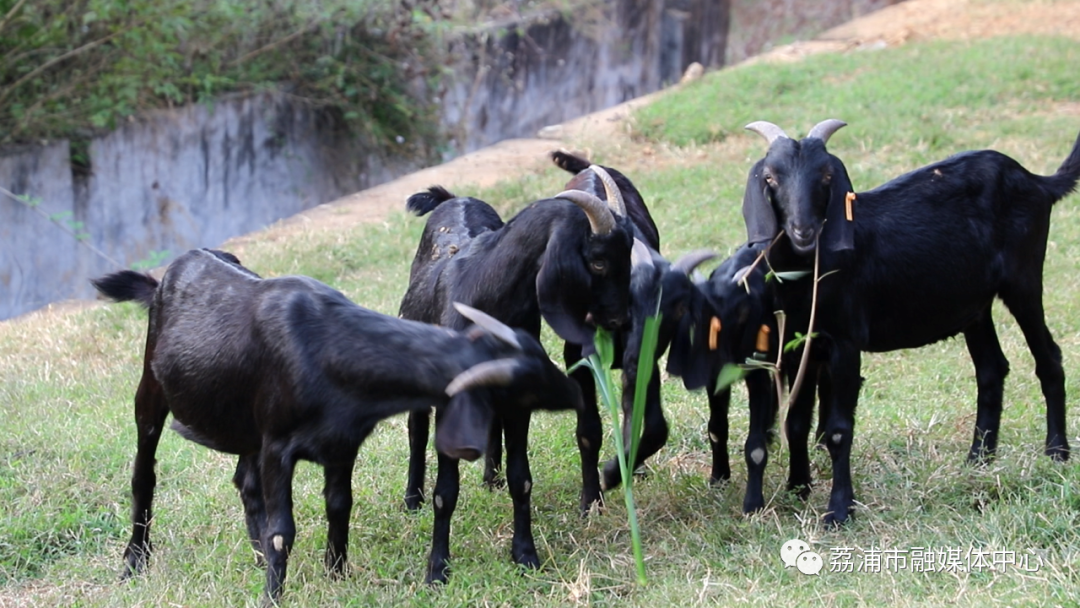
{"x":67,"y":382}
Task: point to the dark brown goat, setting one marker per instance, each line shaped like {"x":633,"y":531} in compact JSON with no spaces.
{"x":277,"y":370}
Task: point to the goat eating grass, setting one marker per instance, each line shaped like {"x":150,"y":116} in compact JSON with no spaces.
{"x":278,"y":370}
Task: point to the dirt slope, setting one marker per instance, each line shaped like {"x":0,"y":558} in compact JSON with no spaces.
{"x":892,"y":26}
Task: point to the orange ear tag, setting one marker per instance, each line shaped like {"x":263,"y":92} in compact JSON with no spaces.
{"x":850,"y":198}
{"x":763,"y":339}
{"x":714,"y":332}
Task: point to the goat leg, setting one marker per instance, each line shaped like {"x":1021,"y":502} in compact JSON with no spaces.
{"x":339,"y":503}
{"x":280,"y":532}
{"x":444,"y":501}
{"x":419,"y":423}
{"x":248,"y":480}
{"x":151,"y":409}
{"x":654,"y":427}
{"x":519,"y":481}
{"x":843,"y":393}
{"x":991,"y":367}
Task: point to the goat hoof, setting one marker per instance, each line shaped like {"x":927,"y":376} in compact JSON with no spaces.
{"x":437,"y":575}
{"x":413,"y":503}
{"x":528,"y":559}
{"x":1058,"y":453}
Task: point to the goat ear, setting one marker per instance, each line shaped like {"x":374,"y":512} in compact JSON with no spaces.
{"x":687,"y":356}
{"x":563,"y":288}
{"x":839,"y":232}
{"x":761,"y":224}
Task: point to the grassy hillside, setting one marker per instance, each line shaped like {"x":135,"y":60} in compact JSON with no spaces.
{"x":67,"y":381}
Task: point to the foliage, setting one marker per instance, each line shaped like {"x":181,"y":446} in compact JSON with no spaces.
{"x":68,"y":67}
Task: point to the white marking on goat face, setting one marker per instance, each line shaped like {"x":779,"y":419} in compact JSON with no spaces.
{"x":757,"y":455}
{"x":836,"y":438}
{"x":438,"y":501}
{"x":713,"y":438}
{"x":279,"y":542}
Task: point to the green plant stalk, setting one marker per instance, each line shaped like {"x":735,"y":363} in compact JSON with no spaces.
{"x":600,"y":364}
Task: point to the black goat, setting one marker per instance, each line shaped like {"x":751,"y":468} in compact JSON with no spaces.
{"x":566,"y":260}
{"x":733,"y":323}
{"x":656,"y":287}
{"x":916,"y":260}
{"x":276,"y":370}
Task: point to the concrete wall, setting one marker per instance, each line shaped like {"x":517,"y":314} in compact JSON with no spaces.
{"x":196,"y":176}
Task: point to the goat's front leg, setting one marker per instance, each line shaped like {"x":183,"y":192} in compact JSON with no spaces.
{"x":280,"y":532}
{"x":991,"y":367}
{"x":519,"y":481}
{"x":654,"y":427}
{"x":842,"y":391}
{"x":419,"y":423}
{"x":762,"y":399}
{"x":248,"y":480}
{"x":797,"y":425}
{"x":151,"y":409}
{"x":719,"y":402}
{"x":447,"y":486}
{"x":339,"y":502}
{"x":589,"y":432}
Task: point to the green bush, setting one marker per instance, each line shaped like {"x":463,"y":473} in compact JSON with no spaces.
{"x":68,"y":67}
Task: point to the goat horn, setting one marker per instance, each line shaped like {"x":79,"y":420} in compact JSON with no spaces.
{"x":688,"y":262}
{"x":614,"y":194}
{"x":489,"y":324}
{"x":600,"y":218}
{"x":639,"y":254}
{"x":824,"y":129}
{"x":499,"y":372}
{"x":767,"y":130}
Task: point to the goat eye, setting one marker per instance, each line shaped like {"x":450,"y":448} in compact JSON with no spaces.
{"x":826,"y":179}
{"x":769,"y":179}
{"x":598,"y":266}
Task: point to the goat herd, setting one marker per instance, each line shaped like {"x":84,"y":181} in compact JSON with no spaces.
{"x":276,"y":370}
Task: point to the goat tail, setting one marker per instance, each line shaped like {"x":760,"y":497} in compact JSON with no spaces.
{"x":127,"y":286}
{"x":424,"y":202}
{"x":1062,"y":183}
{"x":569,"y":162}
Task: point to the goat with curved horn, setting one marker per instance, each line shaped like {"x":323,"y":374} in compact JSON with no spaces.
{"x":489,"y":324}
{"x":824,"y":129}
{"x":767,"y":130}
{"x":611,"y":189}
{"x":600,"y":219}
{"x":688,"y":262}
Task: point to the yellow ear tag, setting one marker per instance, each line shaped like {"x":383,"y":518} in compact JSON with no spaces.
{"x":850,"y":198}
{"x":714,"y":332}
{"x":763,"y":339}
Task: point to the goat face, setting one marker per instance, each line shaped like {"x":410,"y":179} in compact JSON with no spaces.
{"x":800,"y":188}
{"x":735,"y":296}
{"x":584,"y":280}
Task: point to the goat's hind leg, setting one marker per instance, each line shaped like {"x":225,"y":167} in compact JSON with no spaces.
{"x":339,"y":502}
{"x":151,"y":409}
{"x":1027,"y":308}
{"x":991,"y":367}
{"x":248,"y":480}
